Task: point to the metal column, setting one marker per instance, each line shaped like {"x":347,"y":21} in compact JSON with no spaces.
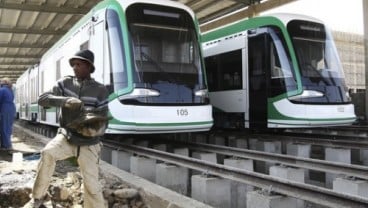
{"x":365,"y":22}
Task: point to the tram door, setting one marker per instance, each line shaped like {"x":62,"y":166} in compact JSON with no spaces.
{"x":258,"y":57}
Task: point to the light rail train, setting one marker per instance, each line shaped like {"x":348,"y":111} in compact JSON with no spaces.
{"x":276,"y":71}
{"x":147,"y":53}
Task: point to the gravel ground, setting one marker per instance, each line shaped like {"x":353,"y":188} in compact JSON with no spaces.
{"x":66,"y":189}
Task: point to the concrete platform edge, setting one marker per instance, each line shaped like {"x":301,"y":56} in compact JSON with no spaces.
{"x":155,"y":196}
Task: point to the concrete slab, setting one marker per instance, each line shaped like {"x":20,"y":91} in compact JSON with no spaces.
{"x":172,"y":177}
{"x":143,"y":167}
{"x":351,"y":186}
{"x":121,"y":159}
{"x":212,"y":190}
{"x":257,"y":199}
{"x":153,"y":195}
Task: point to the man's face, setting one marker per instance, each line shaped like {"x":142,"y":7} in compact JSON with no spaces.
{"x":81,"y":68}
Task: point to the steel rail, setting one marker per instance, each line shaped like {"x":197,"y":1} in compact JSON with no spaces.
{"x":300,"y":162}
{"x":302,"y":191}
{"x":352,"y":143}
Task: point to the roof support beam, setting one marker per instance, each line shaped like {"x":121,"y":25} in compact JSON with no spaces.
{"x":18,"y":63}
{"x":10,"y":73}
{"x":14,"y":69}
{"x":44,"y":8}
{"x":17,"y":74}
{"x":242,"y":14}
{"x":15,"y":56}
{"x":221,"y":13}
{"x":12,"y":76}
{"x":247,"y":2}
{"x":33,"y":31}
{"x":205,"y":6}
{"x":24,"y":45}
{"x":192,"y":3}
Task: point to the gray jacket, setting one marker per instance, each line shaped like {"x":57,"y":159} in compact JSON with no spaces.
{"x":94,"y":97}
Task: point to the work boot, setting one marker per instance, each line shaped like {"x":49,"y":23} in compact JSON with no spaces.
{"x":34,"y":203}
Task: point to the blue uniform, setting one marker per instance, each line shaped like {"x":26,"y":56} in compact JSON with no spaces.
{"x":7,"y":115}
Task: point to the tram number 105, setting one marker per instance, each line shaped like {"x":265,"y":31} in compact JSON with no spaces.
{"x":182,"y":112}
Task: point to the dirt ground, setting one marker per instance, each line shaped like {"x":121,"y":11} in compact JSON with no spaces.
{"x":22,"y":142}
{"x":66,"y":187}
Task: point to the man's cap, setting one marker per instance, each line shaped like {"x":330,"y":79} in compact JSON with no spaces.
{"x":85,"y":55}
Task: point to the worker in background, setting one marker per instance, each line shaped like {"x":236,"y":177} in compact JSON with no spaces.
{"x":7,"y":113}
{"x":83,"y":121}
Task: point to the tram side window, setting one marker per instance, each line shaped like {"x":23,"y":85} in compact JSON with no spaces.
{"x":270,"y":62}
{"x":277,"y":73}
{"x":224,"y":71}
{"x":276,"y":69}
{"x":280,"y":60}
{"x":118,"y":74}
{"x":33,"y":90}
{"x":282,"y":78}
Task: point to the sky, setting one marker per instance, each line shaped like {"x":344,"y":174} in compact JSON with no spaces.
{"x":339,"y":15}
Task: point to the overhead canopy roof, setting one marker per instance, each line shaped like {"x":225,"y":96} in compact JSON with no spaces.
{"x":28,"y":28}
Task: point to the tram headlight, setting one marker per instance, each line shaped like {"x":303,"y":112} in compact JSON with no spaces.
{"x":140,"y":92}
{"x":201,"y":93}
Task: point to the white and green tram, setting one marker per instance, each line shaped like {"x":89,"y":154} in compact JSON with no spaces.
{"x":26,"y":94}
{"x":277,"y":71}
{"x":148,"y":55}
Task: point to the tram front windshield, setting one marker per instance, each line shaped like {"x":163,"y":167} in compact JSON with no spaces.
{"x":319,"y":64}
{"x":166,"y":53}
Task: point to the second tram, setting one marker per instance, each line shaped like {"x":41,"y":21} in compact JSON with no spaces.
{"x":277,"y":71}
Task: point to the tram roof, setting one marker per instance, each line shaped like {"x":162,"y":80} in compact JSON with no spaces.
{"x":28,"y":28}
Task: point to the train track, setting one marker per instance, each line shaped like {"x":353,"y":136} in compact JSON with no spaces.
{"x":308,"y":192}
{"x":318,"y":195}
{"x":353,"y":131}
{"x":338,"y":141}
{"x":312,"y":164}
{"x":323,"y":139}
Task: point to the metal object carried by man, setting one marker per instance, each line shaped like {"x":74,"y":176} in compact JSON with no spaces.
{"x":89,"y":124}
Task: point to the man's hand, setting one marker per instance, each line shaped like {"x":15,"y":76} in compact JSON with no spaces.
{"x":73,"y":103}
